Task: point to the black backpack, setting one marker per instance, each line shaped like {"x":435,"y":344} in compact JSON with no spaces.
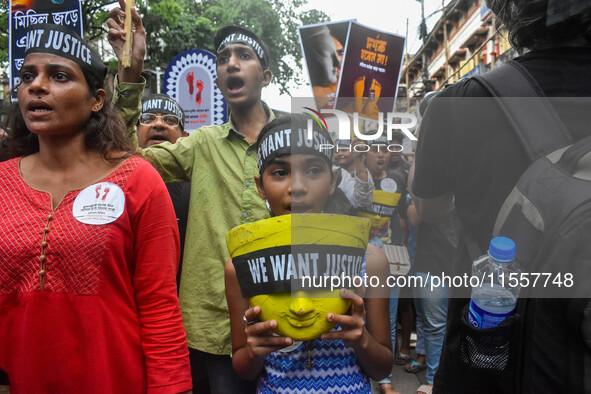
{"x":548,"y":215}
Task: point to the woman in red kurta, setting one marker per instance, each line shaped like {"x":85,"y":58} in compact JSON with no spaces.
{"x":89,"y":242}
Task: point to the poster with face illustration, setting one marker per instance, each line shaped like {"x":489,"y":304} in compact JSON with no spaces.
{"x":24,"y":13}
{"x":323,"y":46}
{"x":190,"y":80}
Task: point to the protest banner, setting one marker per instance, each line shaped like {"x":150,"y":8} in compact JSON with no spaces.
{"x":370,"y":73}
{"x":190,"y":80}
{"x":24,"y":13}
{"x":323,"y":46}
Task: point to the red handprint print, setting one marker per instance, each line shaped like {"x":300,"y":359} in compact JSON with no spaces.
{"x":199,"y":85}
{"x":190,"y":77}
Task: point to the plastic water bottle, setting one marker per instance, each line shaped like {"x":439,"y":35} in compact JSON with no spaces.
{"x":495,"y":299}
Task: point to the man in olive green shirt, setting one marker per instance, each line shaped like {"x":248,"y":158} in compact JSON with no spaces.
{"x":220,"y":162}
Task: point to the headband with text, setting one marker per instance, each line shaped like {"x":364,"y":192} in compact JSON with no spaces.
{"x":234,"y":35}
{"x":292,"y":138}
{"x":62,"y":41}
{"x":160,"y":104}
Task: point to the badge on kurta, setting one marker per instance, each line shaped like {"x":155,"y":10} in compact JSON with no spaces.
{"x":101,"y":203}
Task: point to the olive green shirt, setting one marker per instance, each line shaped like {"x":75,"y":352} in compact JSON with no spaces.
{"x":221,"y":166}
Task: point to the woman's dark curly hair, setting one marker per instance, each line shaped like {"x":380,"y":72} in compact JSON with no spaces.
{"x":525,"y":21}
{"x":105,"y":132}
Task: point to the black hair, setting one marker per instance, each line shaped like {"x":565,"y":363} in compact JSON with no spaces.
{"x":525,"y":21}
{"x":105,"y":131}
{"x":397,"y":135}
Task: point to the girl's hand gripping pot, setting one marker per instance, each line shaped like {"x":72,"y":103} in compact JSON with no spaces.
{"x":293,"y":267}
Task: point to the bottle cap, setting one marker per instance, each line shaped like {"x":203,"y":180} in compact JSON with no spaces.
{"x":502,"y":249}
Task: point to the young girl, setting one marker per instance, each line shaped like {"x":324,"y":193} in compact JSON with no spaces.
{"x":299,"y":180}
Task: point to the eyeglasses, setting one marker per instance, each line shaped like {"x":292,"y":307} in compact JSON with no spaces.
{"x":170,"y":120}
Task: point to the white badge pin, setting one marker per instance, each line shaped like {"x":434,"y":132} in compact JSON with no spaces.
{"x":101,"y":203}
{"x":388,"y":185}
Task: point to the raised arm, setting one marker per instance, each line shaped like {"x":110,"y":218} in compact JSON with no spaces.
{"x":117,"y":38}
{"x":363,"y":192}
{"x":173,"y":161}
{"x":129,"y":84}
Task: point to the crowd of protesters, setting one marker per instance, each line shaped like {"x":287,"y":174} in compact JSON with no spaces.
{"x":115,"y":276}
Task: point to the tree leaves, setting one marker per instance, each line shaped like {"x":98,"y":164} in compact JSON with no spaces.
{"x":174,"y":26}
{"x":195,"y":25}
{"x":3,"y":32}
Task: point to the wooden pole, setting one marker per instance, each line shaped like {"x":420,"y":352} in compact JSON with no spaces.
{"x":126,"y":61}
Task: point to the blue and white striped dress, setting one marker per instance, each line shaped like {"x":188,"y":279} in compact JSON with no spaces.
{"x":334,"y":370}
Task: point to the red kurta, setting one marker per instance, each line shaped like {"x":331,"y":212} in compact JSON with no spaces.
{"x":105,"y":318}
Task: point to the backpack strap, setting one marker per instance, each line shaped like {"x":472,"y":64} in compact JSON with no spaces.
{"x":570,"y":158}
{"x":535,"y":122}
{"x":539,"y":129}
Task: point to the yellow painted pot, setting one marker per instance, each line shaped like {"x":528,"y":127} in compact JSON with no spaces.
{"x":286,"y":265}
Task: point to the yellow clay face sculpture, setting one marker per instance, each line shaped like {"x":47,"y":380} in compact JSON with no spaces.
{"x":298,"y":317}
{"x":254,"y":246}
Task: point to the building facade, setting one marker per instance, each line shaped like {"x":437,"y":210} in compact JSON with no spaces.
{"x":463,"y":43}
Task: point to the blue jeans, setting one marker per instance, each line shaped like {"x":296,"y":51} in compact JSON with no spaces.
{"x":431,"y":310}
{"x":394,"y":293}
